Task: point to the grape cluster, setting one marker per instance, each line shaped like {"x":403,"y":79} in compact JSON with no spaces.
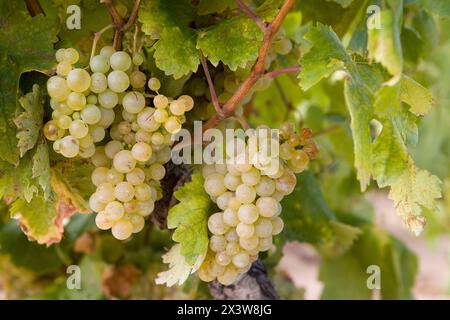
{"x":112,"y":99}
{"x":248,"y":189}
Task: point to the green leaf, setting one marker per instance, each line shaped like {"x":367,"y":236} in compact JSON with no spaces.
{"x":41,"y":167}
{"x":39,"y":219}
{"x":27,"y":254}
{"x":306,"y":214}
{"x":214,"y":6}
{"x":416,"y":96}
{"x":175,"y":52}
{"x":25,"y":44}
{"x":179,"y":268}
{"x":168,"y":20}
{"x":325,"y":57}
{"x":189,"y":217}
{"x":414,"y":190}
{"x":17,"y":181}
{"x":347,"y":276}
{"x":384,"y":43}
{"x":29,"y":122}
{"x":440,"y":7}
{"x":233,"y":41}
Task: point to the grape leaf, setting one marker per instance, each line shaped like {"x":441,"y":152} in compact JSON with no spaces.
{"x":17,"y":181}
{"x":214,"y":6}
{"x":234,"y":41}
{"x":440,"y":7}
{"x":41,"y":167}
{"x":306,"y":214}
{"x":175,"y":52}
{"x":38,"y":219}
{"x":168,"y":20}
{"x":25,"y":44}
{"x":414,"y":190}
{"x":29,"y":122}
{"x":23,"y":252}
{"x":189,"y":217}
{"x":326,"y":56}
{"x":384,"y":43}
{"x":417,"y":96}
{"x":179,"y":268}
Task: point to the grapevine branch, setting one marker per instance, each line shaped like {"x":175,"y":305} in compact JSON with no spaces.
{"x":275,"y":73}
{"x":34,"y":7}
{"x":258,"y":69}
{"x":119,"y":24}
{"x":212,"y":90}
{"x":252,"y":15}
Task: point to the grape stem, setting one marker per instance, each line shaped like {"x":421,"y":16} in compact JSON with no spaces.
{"x":275,"y":73}
{"x":34,"y":7}
{"x":252,"y":15}
{"x":119,"y":24}
{"x":212,"y":89}
{"x":258,"y":68}
{"x":97,"y":37}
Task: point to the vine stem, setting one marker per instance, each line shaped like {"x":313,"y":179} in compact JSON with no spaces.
{"x":34,"y":7}
{"x":119,"y":24}
{"x":252,"y":15}
{"x":212,"y":89}
{"x":257,"y":69}
{"x":275,"y":73}
{"x":97,"y":37}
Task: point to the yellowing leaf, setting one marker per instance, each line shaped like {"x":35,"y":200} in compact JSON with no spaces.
{"x":413,"y":190}
{"x":179,"y":268}
{"x":416,"y":96}
{"x":29,"y":122}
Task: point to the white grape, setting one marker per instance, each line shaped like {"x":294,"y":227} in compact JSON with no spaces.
{"x":91,"y":114}
{"x":78,"y":80}
{"x":99,"y":63}
{"x":157,"y":171}
{"x":108,"y":99}
{"x":114,"y":210}
{"x":124,"y":191}
{"x":216,"y":225}
{"x":214,"y":184}
{"x":97,"y":133}
{"x":160,"y":101}
{"x":217,"y":243}
{"x":120,"y":61}
{"x":124,"y":162}
{"x":248,"y":213}
{"x":133,"y":102}
{"x":122,"y":230}
{"x":118,"y":81}
{"x":245,"y":194}
{"x":98,"y":176}
{"x":268,"y":207}
{"x":136,"y":176}
{"x":112,"y":148}
{"x":102,"y":221}
{"x":57,"y":88}
{"x":76,"y":101}
{"x":141,"y":151}
{"x":107,"y":51}
{"x":69,"y":147}
{"x":99,"y":83}
{"x":105,"y":192}
{"x":78,"y":129}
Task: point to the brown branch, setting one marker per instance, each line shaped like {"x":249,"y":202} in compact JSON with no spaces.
{"x":257,"y":70}
{"x":120,"y":25}
{"x":252,"y":15}
{"x":34,"y":7}
{"x":133,"y":16}
{"x":115,"y":16}
{"x":275,"y":73}
{"x":212,"y":89}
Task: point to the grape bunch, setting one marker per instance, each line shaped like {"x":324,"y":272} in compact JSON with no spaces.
{"x":112,"y":99}
{"x":248,"y":189}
